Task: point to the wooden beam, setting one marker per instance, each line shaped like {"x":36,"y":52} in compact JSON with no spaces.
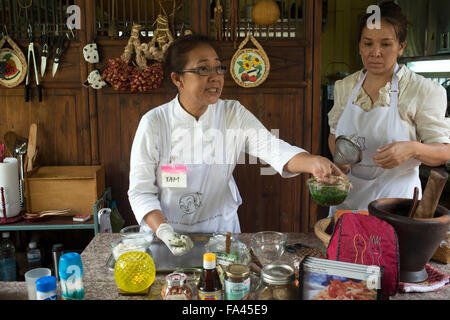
{"x":197,"y":11}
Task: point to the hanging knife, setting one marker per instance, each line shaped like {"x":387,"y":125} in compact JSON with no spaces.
{"x":59,"y":48}
{"x":44,"y":51}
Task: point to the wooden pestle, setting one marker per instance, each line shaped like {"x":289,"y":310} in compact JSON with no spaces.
{"x":431,"y":195}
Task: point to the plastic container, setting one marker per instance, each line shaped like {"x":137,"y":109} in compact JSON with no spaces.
{"x":71,"y":276}
{"x":33,"y":256}
{"x":7,"y":259}
{"x":46,"y":288}
{"x":31,"y":277}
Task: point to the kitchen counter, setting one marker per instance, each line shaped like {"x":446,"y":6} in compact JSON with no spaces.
{"x":99,"y":281}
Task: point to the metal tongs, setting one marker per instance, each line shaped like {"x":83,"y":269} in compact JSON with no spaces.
{"x":27,"y":81}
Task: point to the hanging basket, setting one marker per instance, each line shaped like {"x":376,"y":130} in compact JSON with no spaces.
{"x":250,"y":67}
{"x":13,"y":65}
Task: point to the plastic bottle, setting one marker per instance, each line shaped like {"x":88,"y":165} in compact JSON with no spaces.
{"x":71,"y":276}
{"x":7,"y":259}
{"x":33,"y":256}
{"x":209,"y":286}
{"x":46,"y":288}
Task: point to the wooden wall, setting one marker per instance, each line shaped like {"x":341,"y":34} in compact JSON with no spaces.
{"x":84,"y":126}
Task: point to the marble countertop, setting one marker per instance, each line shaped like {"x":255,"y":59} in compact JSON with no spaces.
{"x":99,"y":280}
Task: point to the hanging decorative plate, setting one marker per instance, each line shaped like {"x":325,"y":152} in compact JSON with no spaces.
{"x":250,"y":67}
{"x":13,"y":66}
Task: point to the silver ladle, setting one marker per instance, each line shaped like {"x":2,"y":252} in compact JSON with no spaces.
{"x":21,"y":150}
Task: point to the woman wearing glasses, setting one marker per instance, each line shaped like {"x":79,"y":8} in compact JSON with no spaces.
{"x":185,"y":151}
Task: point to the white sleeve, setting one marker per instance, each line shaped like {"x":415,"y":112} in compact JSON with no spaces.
{"x":143,"y":192}
{"x":261,"y":143}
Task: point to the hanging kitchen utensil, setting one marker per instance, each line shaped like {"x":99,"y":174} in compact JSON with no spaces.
{"x":13,"y":62}
{"x":60,"y":47}
{"x":250,"y":67}
{"x":10,"y":138}
{"x":347,"y":151}
{"x":44,"y":49}
{"x":431,"y":195}
{"x":31,"y":55}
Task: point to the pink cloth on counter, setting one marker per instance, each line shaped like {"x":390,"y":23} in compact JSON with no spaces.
{"x":436,"y":281}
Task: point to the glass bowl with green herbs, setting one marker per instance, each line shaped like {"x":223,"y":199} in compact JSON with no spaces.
{"x":332,"y":193}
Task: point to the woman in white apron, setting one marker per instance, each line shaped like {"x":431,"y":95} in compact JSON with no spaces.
{"x":392,"y":152}
{"x":185,"y":151}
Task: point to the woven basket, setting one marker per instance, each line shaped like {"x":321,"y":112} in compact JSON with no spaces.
{"x":320,"y":229}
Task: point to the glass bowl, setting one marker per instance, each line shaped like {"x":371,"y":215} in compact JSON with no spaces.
{"x":329,"y":194}
{"x":269,"y":245}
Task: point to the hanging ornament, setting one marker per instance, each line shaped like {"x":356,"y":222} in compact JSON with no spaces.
{"x":218,"y":21}
{"x":250,"y":67}
{"x":265,"y":13}
{"x":13,"y":65}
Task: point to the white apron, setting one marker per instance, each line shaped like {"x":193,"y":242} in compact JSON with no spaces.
{"x":375,"y":129}
{"x":211,"y":199}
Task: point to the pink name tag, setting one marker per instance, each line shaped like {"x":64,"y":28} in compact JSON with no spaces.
{"x":174,"y":176}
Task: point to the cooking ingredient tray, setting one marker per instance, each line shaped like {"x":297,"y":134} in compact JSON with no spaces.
{"x":165,"y":261}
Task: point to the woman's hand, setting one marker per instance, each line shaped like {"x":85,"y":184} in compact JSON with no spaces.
{"x":323,"y":169}
{"x":320,"y":167}
{"x":394,"y":154}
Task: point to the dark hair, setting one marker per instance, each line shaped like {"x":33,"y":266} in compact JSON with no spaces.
{"x":391,"y":13}
{"x":176,"y":56}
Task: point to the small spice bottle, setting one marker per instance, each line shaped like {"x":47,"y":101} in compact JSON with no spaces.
{"x":277,"y":283}
{"x":176,"y":287}
{"x":237,"y":282}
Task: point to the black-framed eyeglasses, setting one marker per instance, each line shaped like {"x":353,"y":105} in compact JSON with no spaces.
{"x":205,"y":71}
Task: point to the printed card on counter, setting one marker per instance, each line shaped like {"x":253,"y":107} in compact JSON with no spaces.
{"x":322,"y":279}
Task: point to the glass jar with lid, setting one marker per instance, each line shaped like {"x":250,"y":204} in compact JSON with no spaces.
{"x":277,"y":283}
{"x":237,"y":282}
{"x":176,"y":287}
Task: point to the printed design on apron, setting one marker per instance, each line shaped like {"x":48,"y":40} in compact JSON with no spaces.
{"x":190,"y":202}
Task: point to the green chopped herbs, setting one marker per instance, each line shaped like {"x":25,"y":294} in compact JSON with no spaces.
{"x":328,"y":195}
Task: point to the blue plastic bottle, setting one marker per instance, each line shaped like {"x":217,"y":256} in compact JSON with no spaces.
{"x":7,"y":259}
{"x":71,"y":275}
{"x":46,"y":288}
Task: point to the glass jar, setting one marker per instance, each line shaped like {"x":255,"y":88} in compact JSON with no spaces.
{"x":277,"y":283}
{"x":176,"y":287}
{"x":237,"y":282}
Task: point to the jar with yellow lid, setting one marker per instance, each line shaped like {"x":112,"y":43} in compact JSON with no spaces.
{"x":237,"y":282}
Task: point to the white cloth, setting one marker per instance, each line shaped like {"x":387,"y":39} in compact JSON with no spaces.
{"x":374,"y":129}
{"x":422,"y":105}
{"x":210,"y":148}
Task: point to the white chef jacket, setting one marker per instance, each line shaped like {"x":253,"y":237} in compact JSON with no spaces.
{"x":196,"y":142}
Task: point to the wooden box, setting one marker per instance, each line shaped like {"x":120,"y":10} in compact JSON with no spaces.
{"x":60,"y":187}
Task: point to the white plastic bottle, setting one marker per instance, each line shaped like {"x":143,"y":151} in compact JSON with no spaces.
{"x":33,"y":256}
{"x":7,"y":259}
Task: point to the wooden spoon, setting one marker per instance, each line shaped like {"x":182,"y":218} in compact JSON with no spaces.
{"x":432,"y":193}
{"x":415,"y":203}
{"x":40,"y":215}
{"x":31,"y":150}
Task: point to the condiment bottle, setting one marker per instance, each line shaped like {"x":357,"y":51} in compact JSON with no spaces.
{"x":176,"y":288}
{"x":237,"y":282}
{"x":209,"y":287}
